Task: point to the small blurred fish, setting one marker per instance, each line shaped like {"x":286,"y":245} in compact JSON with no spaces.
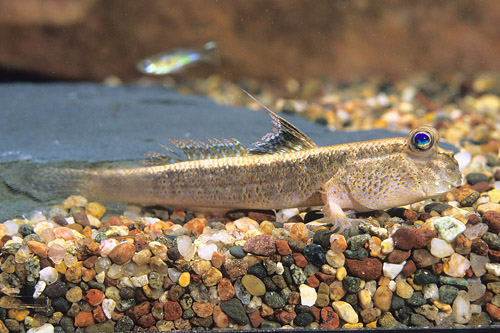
{"x":175,"y":61}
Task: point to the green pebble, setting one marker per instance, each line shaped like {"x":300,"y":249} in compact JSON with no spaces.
{"x":25,"y":229}
{"x":124,"y":324}
{"x":188,"y":313}
{"x":357,"y":254}
{"x":416,"y":299}
{"x":298,"y":275}
{"x":155,"y":280}
{"x":100,"y":237}
{"x":447,"y":294}
{"x":125,"y":304}
{"x":476,"y":177}
{"x":458,"y":282}
{"x":397,"y":302}
{"x":270,"y":325}
{"x":107,"y":326}
{"x":423,"y":276}
{"x":351,"y":284}
{"x":237,"y":251}
{"x":358,"y":242}
{"x":274,"y":300}
{"x":234,"y":310}
{"x":492,"y":240}
{"x":419,"y":320}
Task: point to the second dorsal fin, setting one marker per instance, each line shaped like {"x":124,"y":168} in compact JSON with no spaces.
{"x":283,"y":138}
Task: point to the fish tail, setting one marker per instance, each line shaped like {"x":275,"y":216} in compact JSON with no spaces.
{"x":43,"y":183}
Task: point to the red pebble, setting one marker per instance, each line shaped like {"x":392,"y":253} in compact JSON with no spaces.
{"x":329,"y":319}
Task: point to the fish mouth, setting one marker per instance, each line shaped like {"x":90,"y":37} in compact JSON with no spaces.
{"x":441,"y":186}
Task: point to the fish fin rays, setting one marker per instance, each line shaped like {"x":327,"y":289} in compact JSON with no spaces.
{"x":284,"y":138}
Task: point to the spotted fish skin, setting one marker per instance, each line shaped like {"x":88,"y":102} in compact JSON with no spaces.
{"x":362,"y":176}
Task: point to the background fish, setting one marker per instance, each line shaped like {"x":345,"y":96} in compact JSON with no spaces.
{"x":177,"y":60}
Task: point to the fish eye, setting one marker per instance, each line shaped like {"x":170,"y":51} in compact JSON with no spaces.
{"x":422,"y":141}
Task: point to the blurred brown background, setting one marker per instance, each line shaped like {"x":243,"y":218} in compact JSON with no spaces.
{"x":91,"y":39}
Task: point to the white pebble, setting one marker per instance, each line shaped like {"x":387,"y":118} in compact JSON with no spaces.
{"x":49,"y":275}
{"x":279,"y":268}
{"x":478,"y":263}
{"x":174,"y":274}
{"x":449,"y":228}
{"x":12,"y":227}
{"x":186,"y":247}
{"x":285,"y":214}
{"x":392,"y":270}
{"x":46,"y":328}
{"x":140,"y":281}
{"x":493,"y":268}
{"x":430,"y":291}
{"x":440,"y":248}
{"x":39,"y":288}
{"x":108,"y":305}
{"x":463,"y":158}
{"x":308,"y":295}
{"x":345,"y":311}
{"x":461,"y":308}
{"x":206,"y":252}
{"x":100,"y":277}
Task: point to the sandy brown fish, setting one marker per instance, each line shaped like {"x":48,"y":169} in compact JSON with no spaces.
{"x":286,"y":169}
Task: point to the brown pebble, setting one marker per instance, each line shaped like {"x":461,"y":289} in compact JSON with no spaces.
{"x":59,"y":219}
{"x":423,"y":258}
{"x":73,"y":274}
{"x":90,"y":262}
{"x":146,"y":321}
{"x":473,"y":219}
{"x":329,"y":318}
{"x":398,"y":256}
{"x":139,"y":310}
{"x":493,"y":311}
{"x":99,"y":314}
{"x":480,"y":247}
{"x":462,"y":245}
{"x":172,"y":310}
{"x":262,"y":245}
{"x":94,"y":297}
{"x":492,"y":219}
{"x":221,"y":319}
{"x":260,"y":217}
{"x":424,"y":237}
{"x":404,"y":239}
{"x":234,"y":268}
{"x":81,"y":218}
{"x":282,"y":247}
{"x":255,"y":319}
{"x":122,"y":253}
{"x":300,"y":260}
{"x":218,"y":259}
{"x":409,"y":268}
{"x":84,"y":319}
{"x":437,"y":268}
{"x":312,"y":281}
{"x":494,"y":255}
{"x":366,"y":269}
{"x":481,"y":187}
{"x":326,"y":278}
{"x":40,"y":249}
{"x":203,"y":309}
{"x":294,"y":298}
{"x":201,"y":322}
{"x":225,"y":289}
{"x":285,"y":317}
{"x":485,"y":298}
{"x":410,"y":215}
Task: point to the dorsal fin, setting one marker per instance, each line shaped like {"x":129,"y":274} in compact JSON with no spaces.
{"x":284,"y":137}
{"x":197,"y":150}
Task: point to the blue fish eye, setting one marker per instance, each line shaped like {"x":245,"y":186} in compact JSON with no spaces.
{"x":422,"y":141}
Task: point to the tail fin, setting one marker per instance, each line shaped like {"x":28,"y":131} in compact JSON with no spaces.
{"x":42,"y":182}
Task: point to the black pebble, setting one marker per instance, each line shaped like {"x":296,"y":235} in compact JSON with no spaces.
{"x":258,"y":270}
{"x":314,"y":254}
{"x":303,"y":319}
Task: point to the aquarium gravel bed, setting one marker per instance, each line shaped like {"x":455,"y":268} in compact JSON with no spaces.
{"x":76,"y":266}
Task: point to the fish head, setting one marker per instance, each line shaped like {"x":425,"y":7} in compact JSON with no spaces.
{"x":401,"y":171}
{"x":436,"y":170}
